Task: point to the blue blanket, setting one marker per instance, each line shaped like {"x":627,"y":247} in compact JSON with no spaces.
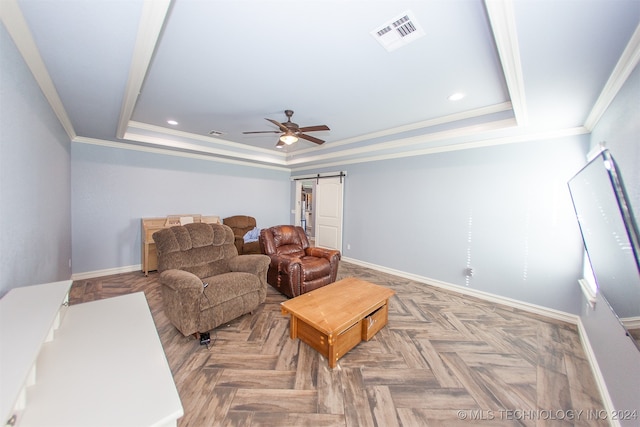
{"x":252,"y":235}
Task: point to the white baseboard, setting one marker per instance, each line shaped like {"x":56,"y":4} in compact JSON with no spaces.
{"x":531,"y":308}
{"x":631,"y":322}
{"x":589,"y":294}
{"x":106,"y":272}
{"x":597,"y":373}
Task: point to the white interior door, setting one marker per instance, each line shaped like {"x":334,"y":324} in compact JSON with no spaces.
{"x":328,"y":226}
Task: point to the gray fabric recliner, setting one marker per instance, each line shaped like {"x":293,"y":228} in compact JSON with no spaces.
{"x":204,"y":281}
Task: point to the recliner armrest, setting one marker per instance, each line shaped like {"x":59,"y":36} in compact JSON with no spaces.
{"x":182,"y":281}
{"x":286,"y":261}
{"x":322,"y":252}
{"x":255,"y":263}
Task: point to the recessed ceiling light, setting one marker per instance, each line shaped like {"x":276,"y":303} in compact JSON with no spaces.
{"x":172,"y":122}
{"x":456,"y":96}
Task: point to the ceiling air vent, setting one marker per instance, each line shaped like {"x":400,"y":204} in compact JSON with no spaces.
{"x":398,"y":32}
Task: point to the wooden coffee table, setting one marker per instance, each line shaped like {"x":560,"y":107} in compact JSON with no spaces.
{"x":335,"y":318}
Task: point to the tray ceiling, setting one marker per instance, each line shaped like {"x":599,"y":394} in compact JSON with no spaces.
{"x":116,"y":72}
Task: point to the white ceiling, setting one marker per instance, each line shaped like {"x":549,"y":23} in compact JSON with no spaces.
{"x":116,"y":71}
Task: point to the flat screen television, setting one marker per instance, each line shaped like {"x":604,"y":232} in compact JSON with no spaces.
{"x":609,"y":232}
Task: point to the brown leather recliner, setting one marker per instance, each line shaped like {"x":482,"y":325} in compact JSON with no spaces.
{"x":295,"y":266}
{"x":241,"y":224}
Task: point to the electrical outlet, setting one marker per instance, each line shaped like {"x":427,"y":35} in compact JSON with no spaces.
{"x":348,"y":246}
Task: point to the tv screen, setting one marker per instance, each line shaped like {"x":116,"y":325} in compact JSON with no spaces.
{"x":609,"y":232}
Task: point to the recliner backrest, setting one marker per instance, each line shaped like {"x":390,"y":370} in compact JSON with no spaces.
{"x":240,"y":224}
{"x":199,"y":248}
{"x":284,"y":240}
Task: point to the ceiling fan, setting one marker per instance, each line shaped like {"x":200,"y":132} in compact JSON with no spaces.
{"x":291,"y":131}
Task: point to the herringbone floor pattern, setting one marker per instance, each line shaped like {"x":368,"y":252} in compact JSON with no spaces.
{"x":443,"y":359}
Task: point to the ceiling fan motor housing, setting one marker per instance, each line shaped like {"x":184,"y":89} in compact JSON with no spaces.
{"x":293,"y":127}
{"x":292,"y":130}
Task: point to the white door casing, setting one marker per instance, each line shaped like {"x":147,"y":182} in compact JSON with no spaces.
{"x":297,"y":214}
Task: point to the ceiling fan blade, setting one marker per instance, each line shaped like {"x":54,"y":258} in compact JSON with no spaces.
{"x":314,"y":128}
{"x":282,"y":127}
{"x":310,"y":138}
{"x":264,"y":131}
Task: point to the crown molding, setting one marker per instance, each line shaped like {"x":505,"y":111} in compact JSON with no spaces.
{"x":503,"y":25}
{"x":195,"y":148}
{"x":17,"y":27}
{"x":195,"y":137}
{"x":168,"y":152}
{"x":408,"y":142}
{"x":489,"y":142}
{"x":164,"y":138}
{"x":470,"y":114}
{"x":621,"y":72}
{"x":464,"y":115}
{"x":152,"y":20}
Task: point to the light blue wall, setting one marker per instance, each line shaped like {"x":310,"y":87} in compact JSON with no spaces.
{"x":505,"y":211}
{"x":35,"y":196}
{"x":114,"y":188}
{"x":618,"y":358}
{"x":619,"y":129}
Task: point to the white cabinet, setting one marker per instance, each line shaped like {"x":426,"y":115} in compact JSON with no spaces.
{"x":99,"y":363}
{"x":28,"y":319}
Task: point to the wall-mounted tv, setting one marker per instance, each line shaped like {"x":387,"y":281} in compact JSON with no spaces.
{"x":610,"y":233}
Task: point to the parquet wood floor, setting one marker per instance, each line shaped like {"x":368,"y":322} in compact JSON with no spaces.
{"x":443,"y":359}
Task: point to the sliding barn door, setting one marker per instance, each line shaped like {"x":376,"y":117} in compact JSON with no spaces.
{"x":328,"y":225}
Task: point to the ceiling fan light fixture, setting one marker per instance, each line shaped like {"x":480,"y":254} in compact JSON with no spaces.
{"x":289,"y":139}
